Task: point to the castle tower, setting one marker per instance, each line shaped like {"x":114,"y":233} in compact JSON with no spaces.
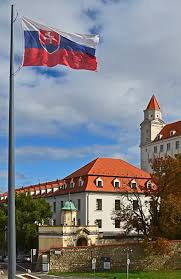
{"x":150,"y":128}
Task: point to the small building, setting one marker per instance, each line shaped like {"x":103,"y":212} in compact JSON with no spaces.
{"x":68,"y":233}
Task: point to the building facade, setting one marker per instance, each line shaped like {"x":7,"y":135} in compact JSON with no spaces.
{"x":98,"y":189}
{"x":69,"y":233}
{"x":157,"y":139}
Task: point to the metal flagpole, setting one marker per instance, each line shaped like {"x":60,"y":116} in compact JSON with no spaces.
{"x":11,"y":173}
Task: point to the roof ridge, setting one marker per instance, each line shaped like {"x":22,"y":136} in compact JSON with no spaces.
{"x":134,"y":167}
{"x":83,"y":167}
{"x":171,"y":123}
{"x":95,"y":160}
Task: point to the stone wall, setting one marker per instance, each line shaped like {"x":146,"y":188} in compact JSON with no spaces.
{"x":80,"y":258}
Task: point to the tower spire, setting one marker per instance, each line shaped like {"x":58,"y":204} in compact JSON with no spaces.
{"x":153,"y":104}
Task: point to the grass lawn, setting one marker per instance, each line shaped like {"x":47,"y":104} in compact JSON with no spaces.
{"x":135,"y":275}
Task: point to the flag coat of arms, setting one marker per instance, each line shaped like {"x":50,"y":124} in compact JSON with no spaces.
{"x":45,"y":46}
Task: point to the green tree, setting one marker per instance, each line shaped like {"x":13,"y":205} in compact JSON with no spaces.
{"x":167,"y":175}
{"x":3,"y":226}
{"x":29,"y":212}
{"x":159,"y":215}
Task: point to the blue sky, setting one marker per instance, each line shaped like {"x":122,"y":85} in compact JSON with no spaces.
{"x":65,"y":118}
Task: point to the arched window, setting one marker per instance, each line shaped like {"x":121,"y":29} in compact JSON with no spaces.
{"x":133,"y":184}
{"x":99,"y":182}
{"x":72,"y":183}
{"x":81,"y":182}
{"x":149,"y":184}
{"x":64,"y":185}
{"x":116,"y":183}
{"x":172,"y":132}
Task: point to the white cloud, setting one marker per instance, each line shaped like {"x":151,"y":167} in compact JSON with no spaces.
{"x":139,"y":55}
{"x":50,"y":153}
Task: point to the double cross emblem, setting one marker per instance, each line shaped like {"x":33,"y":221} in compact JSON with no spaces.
{"x":50,"y":40}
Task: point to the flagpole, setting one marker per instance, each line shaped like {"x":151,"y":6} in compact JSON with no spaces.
{"x":11,"y":172}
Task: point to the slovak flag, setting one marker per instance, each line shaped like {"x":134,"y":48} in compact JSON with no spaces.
{"x":49,"y":47}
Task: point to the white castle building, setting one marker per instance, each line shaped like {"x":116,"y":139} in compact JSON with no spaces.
{"x":157,"y":138}
{"x":97,"y":190}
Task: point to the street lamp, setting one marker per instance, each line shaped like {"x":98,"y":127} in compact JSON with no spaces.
{"x":128,"y":251}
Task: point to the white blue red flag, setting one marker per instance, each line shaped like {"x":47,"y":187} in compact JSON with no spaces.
{"x":45,"y":46}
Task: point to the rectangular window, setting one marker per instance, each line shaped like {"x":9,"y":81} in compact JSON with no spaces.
{"x":78,"y":222}
{"x":99,"y":223}
{"x":117,"y":224}
{"x":116,"y":184}
{"x":98,"y":204}
{"x":155,"y":149}
{"x":161,"y":148}
{"x":79,"y":204}
{"x":99,"y":183}
{"x":117,"y":205}
{"x":135,"y":205}
{"x":72,"y":184}
{"x":61,"y":204}
{"x":168,"y":146}
{"x":54,"y":207}
{"x":177,"y":144}
{"x":133,"y":185}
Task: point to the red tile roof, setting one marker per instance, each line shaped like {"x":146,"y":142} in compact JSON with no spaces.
{"x":106,"y":168}
{"x":165,"y":132}
{"x":37,"y":187}
{"x":153,"y":104}
{"x":109,"y":167}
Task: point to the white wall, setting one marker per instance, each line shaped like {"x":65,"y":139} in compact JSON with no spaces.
{"x":89,"y":214}
{"x":108,"y":206}
{"x":74,"y":198}
{"x":147,"y":151}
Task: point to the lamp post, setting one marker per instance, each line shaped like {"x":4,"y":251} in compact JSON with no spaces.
{"x":128,"y":251}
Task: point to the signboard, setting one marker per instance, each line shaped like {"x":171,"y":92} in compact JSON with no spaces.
{"x":45,"y":263}
{"x":106,"y":263}
{"x":33,"y":255}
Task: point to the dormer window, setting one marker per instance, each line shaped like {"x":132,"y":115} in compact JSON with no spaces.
{"x":81,"y":182}
{"x":133,"y":184}
{"x":172,"y":132}
{"x":116,"y":183}
{"x":72,"y":183}
{"x":99,"y":182}
{"x":160,"y":136}
{"x":149,"y":185}
{"x":64,"y":185}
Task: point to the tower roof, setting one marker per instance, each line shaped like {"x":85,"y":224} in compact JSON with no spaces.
{"x":153,"y":104}
{"x":69,"y":205}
